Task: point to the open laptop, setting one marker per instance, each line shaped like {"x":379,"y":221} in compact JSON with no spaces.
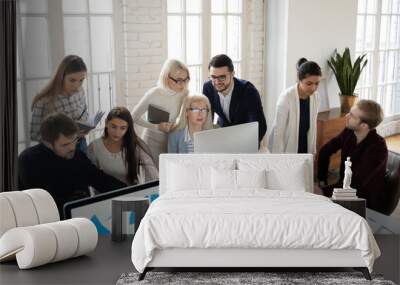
{"x":241,"y":138}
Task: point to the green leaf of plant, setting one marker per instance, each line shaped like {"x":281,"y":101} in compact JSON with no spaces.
{"x":347,"y":74}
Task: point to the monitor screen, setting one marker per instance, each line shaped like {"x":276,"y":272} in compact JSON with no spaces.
{"x":241,"y":138}
{"x":98,"y":207}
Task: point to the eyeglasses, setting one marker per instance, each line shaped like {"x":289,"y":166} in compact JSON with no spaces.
{"x":221,"y":78}
{"x":199,"y":110}
{"x":180,"y":81}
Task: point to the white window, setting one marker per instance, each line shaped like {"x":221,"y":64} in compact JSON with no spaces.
{"x":378,"y":36}
{"x":198,"y":30}
{"x":84,"y":28}
{"x":88,"y":32}
{"x":33,"y":60}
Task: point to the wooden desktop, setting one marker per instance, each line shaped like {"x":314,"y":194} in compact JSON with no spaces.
{"x":329,"y":124}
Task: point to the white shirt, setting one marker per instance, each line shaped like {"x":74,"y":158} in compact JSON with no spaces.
{"x":225,"y":101}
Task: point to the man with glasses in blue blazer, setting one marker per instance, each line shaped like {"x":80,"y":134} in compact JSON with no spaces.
{"x":235,"y":101}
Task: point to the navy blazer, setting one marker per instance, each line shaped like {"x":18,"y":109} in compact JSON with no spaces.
{"x":245,"y":106}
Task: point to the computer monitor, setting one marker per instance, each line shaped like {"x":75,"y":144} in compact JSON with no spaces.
{"x":241,"y":138}
{"x":98,"y":208}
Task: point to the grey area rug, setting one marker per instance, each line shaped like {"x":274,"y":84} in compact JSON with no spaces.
{"x":226,"y":278}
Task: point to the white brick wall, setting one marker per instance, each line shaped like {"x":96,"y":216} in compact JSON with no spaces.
{"x":145,"y":49}
{"x":255,"y":53}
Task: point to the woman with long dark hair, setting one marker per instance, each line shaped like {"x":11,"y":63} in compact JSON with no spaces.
{"x":295,"y":126}
{"x":120,"y":152}
{"x":63,"y":94}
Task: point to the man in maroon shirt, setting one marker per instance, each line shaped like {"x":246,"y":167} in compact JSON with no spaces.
{"x":367,"y":151}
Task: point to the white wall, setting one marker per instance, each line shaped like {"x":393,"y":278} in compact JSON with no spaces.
{"x":255,"y":35}
{"x":275,"y":54}
{"x":306,"y":28}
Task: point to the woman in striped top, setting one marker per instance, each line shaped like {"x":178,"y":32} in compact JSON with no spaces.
{"x":63,"y":94}
{"x":194,"y":116}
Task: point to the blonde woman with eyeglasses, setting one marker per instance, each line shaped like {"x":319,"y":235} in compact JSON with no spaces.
{"x":171,"y":89}
{"x":195,"y":116}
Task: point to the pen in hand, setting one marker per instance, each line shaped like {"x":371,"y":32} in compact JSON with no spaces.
{"x":83,"y":112}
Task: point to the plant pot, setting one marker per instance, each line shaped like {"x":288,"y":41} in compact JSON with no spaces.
{"x":346,"y":102}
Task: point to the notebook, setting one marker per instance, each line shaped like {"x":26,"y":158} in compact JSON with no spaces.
{"x":156,"y":115}
{"x":91,"y":123}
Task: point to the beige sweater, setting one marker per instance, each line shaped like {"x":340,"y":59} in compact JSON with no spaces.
{"x":165,"y":99}
{"x":285,"y":130}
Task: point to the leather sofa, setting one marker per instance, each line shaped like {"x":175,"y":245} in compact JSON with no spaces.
{"x":392,"y":184}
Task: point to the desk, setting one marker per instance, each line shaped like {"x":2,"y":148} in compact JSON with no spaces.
{"x":102,"y":266}
{"x":329,"y":124}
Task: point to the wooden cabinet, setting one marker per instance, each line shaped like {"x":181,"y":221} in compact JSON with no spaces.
{"x":329,"y":124}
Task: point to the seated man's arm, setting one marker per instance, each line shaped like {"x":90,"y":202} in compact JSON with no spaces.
{"x":370,"y":175}
{"x":98,"y":179}
{"x":325,"y":154}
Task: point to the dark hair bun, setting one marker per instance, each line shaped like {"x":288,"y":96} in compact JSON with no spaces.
{"x":307,"y":68}
{"x":300,"y":62}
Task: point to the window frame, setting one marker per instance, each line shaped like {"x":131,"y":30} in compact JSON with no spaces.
{"x":205,"y":15}
{"x":375,"y":54}
{"x":90,"y":85}
{"x":22,"y":77}
{"x":55,"y":29}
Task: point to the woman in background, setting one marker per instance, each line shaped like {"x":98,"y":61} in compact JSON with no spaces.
{"x":195,"y":116}
{"x":64,"y":94}
{"x":168,"y":95}
{"x":120,"y":153}
{"x":295,"y":126}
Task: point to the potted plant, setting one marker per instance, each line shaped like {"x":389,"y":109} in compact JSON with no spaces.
{"x":347,"y":76}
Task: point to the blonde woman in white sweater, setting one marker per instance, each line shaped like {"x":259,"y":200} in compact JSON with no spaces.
{"x":295,"y":125}
{"x":171,"y":89}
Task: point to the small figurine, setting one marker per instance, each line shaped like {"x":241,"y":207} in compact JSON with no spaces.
{"x":347,"y":174}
